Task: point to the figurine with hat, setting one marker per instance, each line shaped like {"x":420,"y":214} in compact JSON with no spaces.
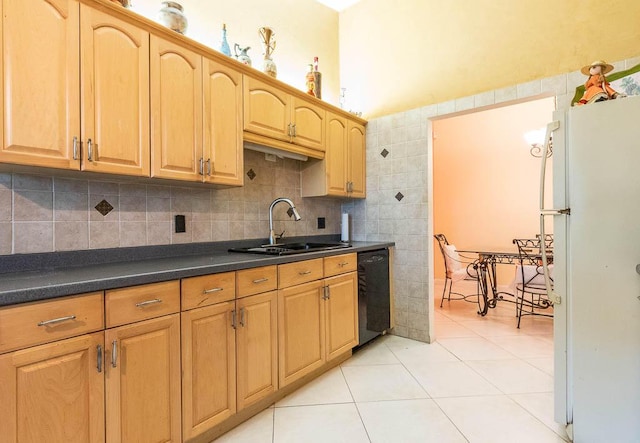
{"x":597,"y":88}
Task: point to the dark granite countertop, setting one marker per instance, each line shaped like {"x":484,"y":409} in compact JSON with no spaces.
{"x":32,"y":277}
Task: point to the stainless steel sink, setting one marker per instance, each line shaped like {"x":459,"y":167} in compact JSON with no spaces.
{"x":291,"y":248}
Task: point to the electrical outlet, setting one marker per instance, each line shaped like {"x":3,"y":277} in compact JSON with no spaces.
{"x":181,"y":225}
{"x":321,"y":223}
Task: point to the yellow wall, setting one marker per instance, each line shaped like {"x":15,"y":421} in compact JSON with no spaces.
{"x":401,"y":55}
{"x":304,"y":29}
{"x":485,"y":182}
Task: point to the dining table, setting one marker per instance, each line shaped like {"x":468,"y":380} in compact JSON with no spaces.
{"x":485,"y":266}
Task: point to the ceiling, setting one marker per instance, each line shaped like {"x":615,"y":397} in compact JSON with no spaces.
{"x":338,"y":5}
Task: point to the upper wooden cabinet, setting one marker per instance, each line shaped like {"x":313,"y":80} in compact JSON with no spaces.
{"x":176,"y":103}
{"x":342,"y":172}
{"x":277,"y":118}
{"x":75,"y":85}
{"x":41,"y":83}
{"x":115,"y":95}
{"x":222,"y":150}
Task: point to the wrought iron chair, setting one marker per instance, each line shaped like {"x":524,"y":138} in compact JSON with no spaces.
{"x":457,"y":268}
{"x":530,"y":288}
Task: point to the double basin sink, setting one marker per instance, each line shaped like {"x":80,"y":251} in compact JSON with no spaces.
{"x":291,"y":248}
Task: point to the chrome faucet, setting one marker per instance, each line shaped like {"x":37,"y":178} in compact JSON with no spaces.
{"x":296,"y":216}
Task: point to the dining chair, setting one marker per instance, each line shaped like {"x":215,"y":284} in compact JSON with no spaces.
{"x":530,"y":288}
{"x":457,"y":268}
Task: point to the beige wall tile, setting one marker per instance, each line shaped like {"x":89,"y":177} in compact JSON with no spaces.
{"x":133,"y":233}
{"x":70,"y":185}
{"x":6,"y":236}
{"x":5,"y":181}
{"x":71,"y":206}
{"x":220,"y":230}
{"x":71,"y":235}
{"x":32,"y":182}
{"x":104,"y":188}
{"x":104,"y":234}
{"x":5,"y":204}
{"x":33,"y":206}
{"x":158,"y":209}
{"x":133,"y":207}
{"x":133,"y":189}
{"x":201,"y":231}
{"x":159,"y":232}
{"x":158,"y":191}
{"x":32,"y":237}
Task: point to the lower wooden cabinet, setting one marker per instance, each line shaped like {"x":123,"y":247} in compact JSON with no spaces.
{"x":208,"y":367}
{"x":257,"y":344}
{"x":229,"y":359}
{"x":142,"y":382}
{"x":317,"y":322}
{"x":53,"y":392}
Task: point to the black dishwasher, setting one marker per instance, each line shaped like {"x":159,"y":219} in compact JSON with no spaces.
{"x":374,"y":314}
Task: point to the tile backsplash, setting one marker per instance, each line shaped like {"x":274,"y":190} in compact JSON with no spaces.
{"x":44,"y":213}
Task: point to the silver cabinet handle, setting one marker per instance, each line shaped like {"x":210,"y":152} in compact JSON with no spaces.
{"x":114,"y":353}
{"x":324,"y":292}
{"x":294,"y":130}
{"x":260,"y":280}
{"x":242,"y":317}
{"x":328,"y":293}
{"x":53,"y":321}
{"x":89,"y":150}
{"x":209,"y":291}
{"x":304,"y":273}
{"x":233,"y":319}
{"x":342,"y":264}
{"x":75,"y":148}
{"x":201,"y":167}
{"x":99,"y":350}
{"x":142,"y":304}
{"x":289,"y":131}
{"x":209,"y":167}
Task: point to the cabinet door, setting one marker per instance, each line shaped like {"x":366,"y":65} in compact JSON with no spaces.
{"x":301,"y":331}
{"x":40,"y":64}
{"x":357,"y":155}
{"x":176,"y":119}
{"x":336,"y":155}
{"x":308,"y":119}
{"x":115,"y":95}
{"x":267,"y":110}
{"x":208,"y":366}
{"x":143,"y":381}
{"x":257,"y":347}
{"x":223,"y":150}
{"x":341,"y":314}
{"x":53,"y":392}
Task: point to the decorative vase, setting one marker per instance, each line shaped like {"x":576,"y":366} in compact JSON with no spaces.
{"x":269,"y":42}
{"x":172,"y":16}
{"x":224,"y":45}
{"x":243,"y":57}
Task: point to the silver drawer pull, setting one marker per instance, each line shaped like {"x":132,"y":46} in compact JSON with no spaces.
{"x":304,"y":273}
{"x":260,"y":280}
{"x":56,"y":320}
{"x":344,"y":263}
{"x":114,"y":353}
{"x":142,"y":304}
{"x":209,"y":291}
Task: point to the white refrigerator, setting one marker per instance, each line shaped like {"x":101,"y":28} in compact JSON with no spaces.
{"x":596,"y":223}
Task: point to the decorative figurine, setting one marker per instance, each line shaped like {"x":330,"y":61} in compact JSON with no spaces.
{"x":269,"y":42}
{"x":224,"y":45}
{"x":243,"y":57}
{"x":597,"y":88}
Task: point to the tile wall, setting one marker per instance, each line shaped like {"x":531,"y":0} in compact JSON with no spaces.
{"x":44,"y":213}
{"x":397,"y":208}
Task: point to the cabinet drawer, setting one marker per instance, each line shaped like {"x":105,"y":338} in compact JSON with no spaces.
{"x":128,"y":305}
{"x":42,"y":322}
{"x":296,"y":273}
{"x":254,"y":281}
{"x":339,"y":264}
{"x":208,"y":290}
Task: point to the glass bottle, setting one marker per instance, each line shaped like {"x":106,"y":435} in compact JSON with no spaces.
{"x":224,"y":45}
{"x":311,"y":81}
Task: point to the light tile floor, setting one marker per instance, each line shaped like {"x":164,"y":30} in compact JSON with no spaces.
{"x":483,"y":380}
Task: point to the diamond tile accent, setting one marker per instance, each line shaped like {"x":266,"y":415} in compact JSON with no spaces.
{"x":104,"y":207}
{"x":384,"y":153}
{"x":251,"y":174}
{"x":399,"y":196}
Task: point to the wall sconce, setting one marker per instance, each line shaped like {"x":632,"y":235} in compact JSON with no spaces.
{"x":535,"y":139}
